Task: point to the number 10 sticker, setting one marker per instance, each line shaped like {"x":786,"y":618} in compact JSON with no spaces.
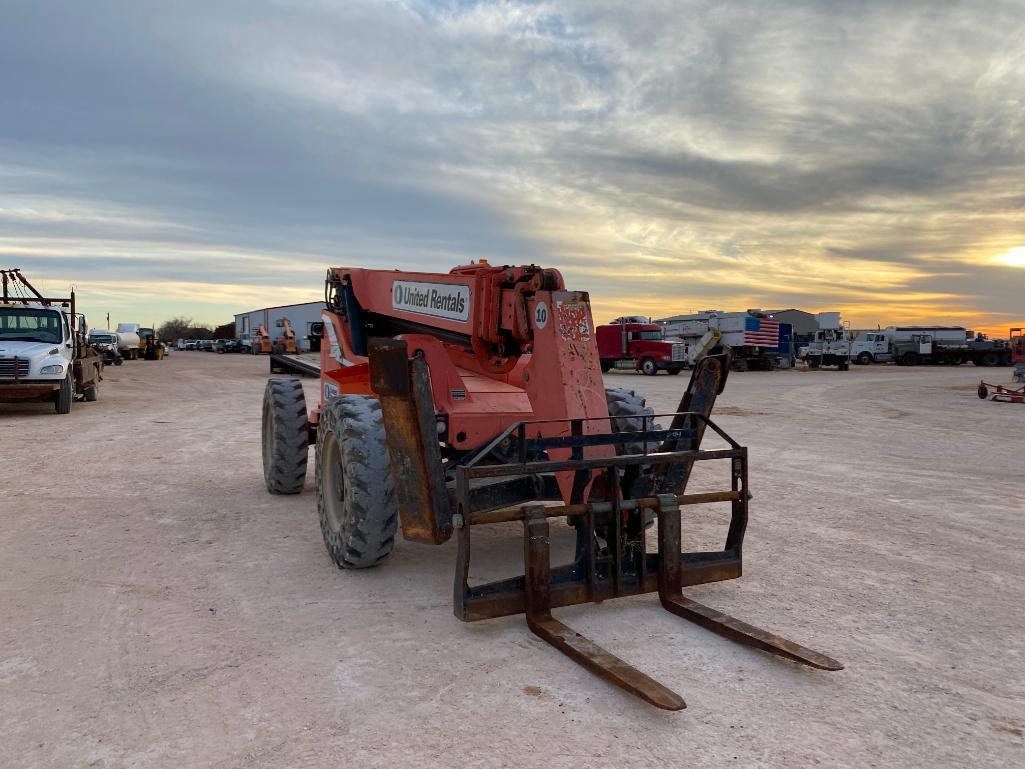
{"x":541,"y":315}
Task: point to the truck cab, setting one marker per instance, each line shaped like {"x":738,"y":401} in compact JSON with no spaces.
{"x":871,"y":347}
{"x":634,"y":344}
{"x":44,"y":355}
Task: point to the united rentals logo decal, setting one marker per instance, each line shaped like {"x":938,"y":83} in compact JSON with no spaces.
{"x":439,"y":300}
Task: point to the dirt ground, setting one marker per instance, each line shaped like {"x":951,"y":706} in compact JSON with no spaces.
{"x":159,"y":609}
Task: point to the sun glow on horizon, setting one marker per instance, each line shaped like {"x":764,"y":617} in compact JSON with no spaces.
{"x":1015,"y":257}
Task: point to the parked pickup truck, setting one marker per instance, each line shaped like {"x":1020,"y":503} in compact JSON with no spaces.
{"x":44,"y":352}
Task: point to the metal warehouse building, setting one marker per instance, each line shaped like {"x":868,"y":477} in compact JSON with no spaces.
{"x":803,"y":323}
{"x":301,"y":316}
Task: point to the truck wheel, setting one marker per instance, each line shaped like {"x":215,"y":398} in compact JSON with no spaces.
{"x":355,"y":491}
{"x":844,"y":366}
{"x":285,"y":436}
{"x":92,"y":392}
{"x":673,"y":371}
{"x":814,"y":363}
{"x":65,"y":395}
{"x":606,"y":366}
{"x":648,"y":367}
{"x":909,"y":359}
{"x":991,"y":359}
{"x":864,"y":358}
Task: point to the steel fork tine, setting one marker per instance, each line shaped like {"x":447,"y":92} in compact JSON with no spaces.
{"x":670,"y":592}
{"x":578,"y":648}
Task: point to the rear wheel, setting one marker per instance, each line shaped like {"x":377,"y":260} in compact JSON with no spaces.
{"x":909,"y":359}
{"x":673,"y":371}
{"x":991,"y":359}
{"x":355,"y":491}
{"x":285,"y":436}
{"x":606,"y":366}
{"x":92,"y":392}
{"x":64,"y":395}
{"x":648,"y":367}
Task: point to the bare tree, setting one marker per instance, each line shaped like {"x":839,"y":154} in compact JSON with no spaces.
{"x":176,"y":328}
{"x":226,"y":331}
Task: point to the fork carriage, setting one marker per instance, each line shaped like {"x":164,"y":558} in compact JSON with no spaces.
{"x":612,"y":558}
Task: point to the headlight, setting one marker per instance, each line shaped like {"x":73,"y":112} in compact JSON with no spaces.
{"x":51,"y":370}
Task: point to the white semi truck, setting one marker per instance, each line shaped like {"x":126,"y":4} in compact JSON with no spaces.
{"x":911,"y":345}
{"x":44,"y":354}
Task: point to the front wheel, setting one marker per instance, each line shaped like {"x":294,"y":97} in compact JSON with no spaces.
{"x":864,"y":358}
{"x":64,"y":396}
{"x":355,"y":490}
{"x":648,"y":367}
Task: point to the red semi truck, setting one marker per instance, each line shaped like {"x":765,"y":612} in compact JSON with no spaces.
{"x":634,"y":344}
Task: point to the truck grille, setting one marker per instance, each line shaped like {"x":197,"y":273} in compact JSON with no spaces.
{"x":679,"y":353}
{"x":13,"y":368}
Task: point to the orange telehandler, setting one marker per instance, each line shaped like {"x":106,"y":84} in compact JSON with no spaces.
{"x":261,"y":341}
{"x":286,"y":342}
{"x":475,"y":397}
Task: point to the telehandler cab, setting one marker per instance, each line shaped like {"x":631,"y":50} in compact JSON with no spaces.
{"x":456,"y":400}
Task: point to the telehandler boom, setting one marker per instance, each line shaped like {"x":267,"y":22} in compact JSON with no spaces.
{"x":475,"y":397}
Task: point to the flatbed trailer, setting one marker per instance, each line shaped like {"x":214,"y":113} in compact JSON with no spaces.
{"x":300,"y":365}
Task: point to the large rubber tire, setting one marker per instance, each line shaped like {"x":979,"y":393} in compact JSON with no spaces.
{"x":991,"y":359}
{"x":673,"y":371}
{"x":92,"y":392}
{"x":606,"y":366}
{"x":355,"y":490}
{"x":864,"y":358}
{"x":649,"y":367}
{"x":628,"y":410}
{"x":909,"y":359}
{"x":285,"y":436}
{"x":62,"y":403}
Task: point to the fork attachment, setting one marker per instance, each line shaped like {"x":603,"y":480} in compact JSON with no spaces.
{"x":612,"y":559}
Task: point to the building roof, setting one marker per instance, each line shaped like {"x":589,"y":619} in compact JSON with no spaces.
{"x":279,"y":307}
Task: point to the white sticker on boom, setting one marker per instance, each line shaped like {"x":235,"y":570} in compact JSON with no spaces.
{"x":439,"y":300}
{"x":541,"y":315}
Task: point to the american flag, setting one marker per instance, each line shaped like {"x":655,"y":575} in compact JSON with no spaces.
{"x":763,"y":332}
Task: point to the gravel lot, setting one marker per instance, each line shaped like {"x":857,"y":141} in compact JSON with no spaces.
{"x":159,"y":609}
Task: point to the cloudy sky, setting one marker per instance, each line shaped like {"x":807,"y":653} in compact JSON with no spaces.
{"x":204,"y":158}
